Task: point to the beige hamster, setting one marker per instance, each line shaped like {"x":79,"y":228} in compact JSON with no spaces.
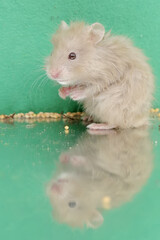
{"x":106,"y":73}
{"x":94,"y":176}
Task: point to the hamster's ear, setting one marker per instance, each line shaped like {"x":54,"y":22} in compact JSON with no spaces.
{"x":95,"y":220}
{"x":97,"y":32}
{"x":63,"y":25}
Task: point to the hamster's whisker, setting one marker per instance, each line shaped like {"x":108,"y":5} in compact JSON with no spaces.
{"x":40,"y":84}
{"x":43,"y":81}
{"x":36,"y":81}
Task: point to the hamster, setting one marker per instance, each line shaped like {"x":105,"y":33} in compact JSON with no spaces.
{"x":106,"y":73}
{"x":95,"y":176}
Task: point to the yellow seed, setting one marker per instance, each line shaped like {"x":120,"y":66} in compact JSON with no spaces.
{"x":79,"y":113}
{"x":156,"y":110}
{"x":2,"y":116}
{"x":47,"y":114}
{"x":30,"y":115}
{"x":40,"y":115}
{"x":27,"y":115}
{"x":66,"y":127}
{"x":55,"y":115}
{"x":19,"y":115}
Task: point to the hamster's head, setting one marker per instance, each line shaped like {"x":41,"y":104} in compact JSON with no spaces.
{"x":73,"y":59}
{"x":72,"y":202}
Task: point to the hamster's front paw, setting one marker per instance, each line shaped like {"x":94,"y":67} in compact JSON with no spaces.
{"x":64,"y":92}
{"x":77,"y":94}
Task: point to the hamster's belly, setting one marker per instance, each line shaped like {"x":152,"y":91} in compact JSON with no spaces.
{"x":120,"y":112}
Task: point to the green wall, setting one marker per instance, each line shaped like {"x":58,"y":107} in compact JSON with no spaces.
{"x":26,"y":27}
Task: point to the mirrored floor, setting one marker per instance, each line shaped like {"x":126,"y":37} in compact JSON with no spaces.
{"x":57,"y":181}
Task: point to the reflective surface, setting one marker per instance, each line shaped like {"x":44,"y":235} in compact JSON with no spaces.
{"x":57,"y":183}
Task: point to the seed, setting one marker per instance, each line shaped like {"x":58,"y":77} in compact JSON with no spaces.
{"x":40,"y":115}
{"x":2,"y":116}
{"x":30,"y":115}
{"x":73,"y":116}
{"x":47,"y":114}
{"x":19,"y":115}
{"x":27,"y":115}
{"x":55,"y":115}
{"x":51,"y":116}
{"x":66,"y":127}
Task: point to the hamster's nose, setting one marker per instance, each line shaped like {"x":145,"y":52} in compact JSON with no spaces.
{"x":56,"y":187}
{"x":55,"y":74}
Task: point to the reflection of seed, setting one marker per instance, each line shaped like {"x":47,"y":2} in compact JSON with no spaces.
{"x":72,"y":204}
{"x":66,"y":127}
{"x":30,"y":125}
{"x":30,"y":120}
{"x":106,"y":202}
{"x":66,"y":131}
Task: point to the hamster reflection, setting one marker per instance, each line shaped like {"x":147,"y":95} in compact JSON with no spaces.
{"x":100,"y":172}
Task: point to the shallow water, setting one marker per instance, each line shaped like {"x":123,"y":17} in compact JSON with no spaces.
{"x":58,"y":184}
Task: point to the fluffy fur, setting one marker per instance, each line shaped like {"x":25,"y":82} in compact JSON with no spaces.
{"x":109,"y":76}
{"x":93,"y":170}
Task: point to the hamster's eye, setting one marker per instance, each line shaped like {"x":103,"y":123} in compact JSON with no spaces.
{"x":72,"y":204}
{"x":72,"y":56}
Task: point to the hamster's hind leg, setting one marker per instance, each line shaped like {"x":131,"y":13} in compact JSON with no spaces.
{"x":100,"y":126}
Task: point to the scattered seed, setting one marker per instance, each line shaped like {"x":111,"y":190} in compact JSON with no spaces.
{"x":19,"y":115}
{"x":2,"y":116}
{"x":55,"y":115}
{"x":72,"y":116}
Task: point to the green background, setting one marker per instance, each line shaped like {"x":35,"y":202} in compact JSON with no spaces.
{"x":26,"y":27}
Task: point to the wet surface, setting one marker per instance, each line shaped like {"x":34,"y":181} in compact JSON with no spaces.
{"x":61,"y":182}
